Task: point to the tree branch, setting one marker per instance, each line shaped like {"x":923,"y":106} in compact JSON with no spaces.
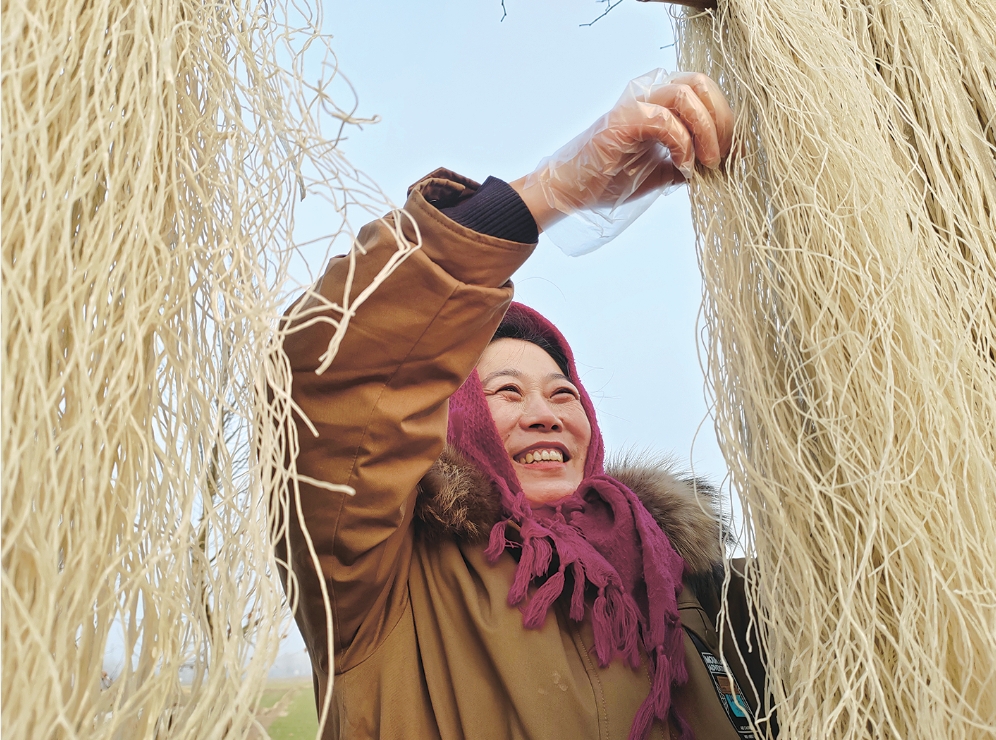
{"x":610,"y":6}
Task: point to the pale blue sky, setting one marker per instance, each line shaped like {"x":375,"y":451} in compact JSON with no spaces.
{"x":455,"y":86}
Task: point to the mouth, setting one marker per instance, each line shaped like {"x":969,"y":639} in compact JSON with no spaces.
{"x":542,"y":454}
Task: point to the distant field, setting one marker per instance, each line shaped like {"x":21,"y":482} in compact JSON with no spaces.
{"x":287,"y":710}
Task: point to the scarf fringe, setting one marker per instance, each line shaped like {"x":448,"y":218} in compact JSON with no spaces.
{"x":577,"y":597}
{"x":535,"y":614}
{"x":616,"y":624}
{"x":497,"y":542}
{"x":664,"y":672}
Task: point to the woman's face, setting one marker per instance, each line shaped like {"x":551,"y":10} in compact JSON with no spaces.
{"x":539,"y":417}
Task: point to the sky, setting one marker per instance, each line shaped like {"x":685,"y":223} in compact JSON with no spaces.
{"x":456,"y":86}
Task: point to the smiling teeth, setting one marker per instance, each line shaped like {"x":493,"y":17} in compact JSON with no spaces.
{"x":541,"y":456}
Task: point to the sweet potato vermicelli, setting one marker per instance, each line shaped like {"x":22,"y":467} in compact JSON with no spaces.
{"x":152,"y":156}
{"x":849,"y":259}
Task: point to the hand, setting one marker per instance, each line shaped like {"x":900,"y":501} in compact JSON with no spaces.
{"x":652,"y":138}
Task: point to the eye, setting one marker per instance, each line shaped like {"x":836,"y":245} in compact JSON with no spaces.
{"x":509,"y":389}
{"x":566,"y":393}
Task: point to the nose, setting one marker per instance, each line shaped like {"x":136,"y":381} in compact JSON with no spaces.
{"x":540,"y":414}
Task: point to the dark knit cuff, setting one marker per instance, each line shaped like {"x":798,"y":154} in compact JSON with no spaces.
{"x":496,"y":210}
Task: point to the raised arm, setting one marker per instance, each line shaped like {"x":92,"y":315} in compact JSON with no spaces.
{"x":380,"y":409}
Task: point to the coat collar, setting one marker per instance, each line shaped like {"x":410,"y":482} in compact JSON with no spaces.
{"x":457,"y":502}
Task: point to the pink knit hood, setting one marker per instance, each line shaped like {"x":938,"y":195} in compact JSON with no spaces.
{"x":600,"y":542}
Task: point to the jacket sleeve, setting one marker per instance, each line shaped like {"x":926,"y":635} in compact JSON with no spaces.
{"x":380,"y":409}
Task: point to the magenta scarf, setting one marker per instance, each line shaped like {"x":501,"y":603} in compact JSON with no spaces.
{"x":602,"y":534}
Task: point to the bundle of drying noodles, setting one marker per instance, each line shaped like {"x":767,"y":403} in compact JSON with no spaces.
{"x":152,"y":155}
{"x":849,"y":258}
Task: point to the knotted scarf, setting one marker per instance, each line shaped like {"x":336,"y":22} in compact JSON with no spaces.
{"x":601,"y":535}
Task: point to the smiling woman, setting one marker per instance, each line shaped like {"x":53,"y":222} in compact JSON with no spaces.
{"x":488,"y":554}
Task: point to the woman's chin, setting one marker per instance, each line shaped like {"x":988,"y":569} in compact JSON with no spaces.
{"x":545,"y":485}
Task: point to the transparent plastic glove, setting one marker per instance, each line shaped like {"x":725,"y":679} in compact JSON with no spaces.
{"x":606,"y":177}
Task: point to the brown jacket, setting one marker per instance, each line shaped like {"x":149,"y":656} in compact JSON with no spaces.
{"x":425,"y":645}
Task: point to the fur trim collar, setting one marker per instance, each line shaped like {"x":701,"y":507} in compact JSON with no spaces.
{"x":456,"y":501}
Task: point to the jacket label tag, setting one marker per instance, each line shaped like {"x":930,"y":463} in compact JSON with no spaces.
{"x":727,"y":689}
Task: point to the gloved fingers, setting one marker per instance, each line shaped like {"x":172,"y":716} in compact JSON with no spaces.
{"x":682,"y":101}
{"x":708,"y":92}
{"x":657,"y":123}
{"x":620,"y":155}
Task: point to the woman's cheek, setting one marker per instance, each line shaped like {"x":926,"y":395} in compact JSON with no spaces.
{"x":581,"y":425}
{"x":503,"y":415}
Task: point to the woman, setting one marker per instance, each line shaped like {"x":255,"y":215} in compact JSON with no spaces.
{"x":488,"y":579}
